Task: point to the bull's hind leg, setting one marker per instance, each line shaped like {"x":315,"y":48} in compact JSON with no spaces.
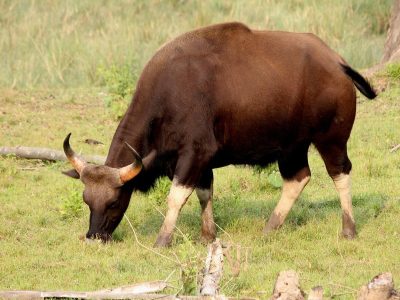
{"x":204,"y":191}
{"x":291,"y":189}
{"x":296,"y":174}
{"x":338,"y":166}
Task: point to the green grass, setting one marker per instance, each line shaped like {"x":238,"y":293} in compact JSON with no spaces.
{"x":65,"y":43}
{"x":393,"y":71}
{"x":41,"y":219}
{"x":58,"y":76}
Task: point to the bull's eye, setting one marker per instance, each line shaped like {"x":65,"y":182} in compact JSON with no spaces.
{"x":113,"y":205}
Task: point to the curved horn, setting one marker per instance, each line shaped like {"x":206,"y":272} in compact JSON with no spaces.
{"x":130,"y":171}
{"x":77,"y":162}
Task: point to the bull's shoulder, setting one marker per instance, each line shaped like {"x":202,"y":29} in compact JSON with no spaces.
{"x":204,"y":39}
{"x":224,"y":28}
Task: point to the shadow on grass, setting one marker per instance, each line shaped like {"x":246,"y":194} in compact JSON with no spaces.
{"x":365,"y":207}
{"x":228,"y":211}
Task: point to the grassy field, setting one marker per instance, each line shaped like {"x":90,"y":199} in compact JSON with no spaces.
{"x":52,"y":52}
{"x":63,"y":43}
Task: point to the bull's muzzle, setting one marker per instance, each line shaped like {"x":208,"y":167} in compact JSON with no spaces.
{"x":92,"y":237}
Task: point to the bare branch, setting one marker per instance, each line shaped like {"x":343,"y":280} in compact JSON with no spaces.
{"x":33,"y":295}
{"x":212,"y":270}
{"x":395,"y":148}
{"x":124,"y":292}
{"x":147,"y":248}
{"x":45,"y":154}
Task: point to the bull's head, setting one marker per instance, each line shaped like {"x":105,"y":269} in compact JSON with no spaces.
{"x":102,"y":191}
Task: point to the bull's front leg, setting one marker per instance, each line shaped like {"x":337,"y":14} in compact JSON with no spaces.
{"x":177,"y":197}
{"x":190,"y":172}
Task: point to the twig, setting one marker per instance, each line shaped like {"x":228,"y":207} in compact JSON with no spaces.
{"x":246,"y":259}
{"x":177,"y":293}
{"x":147,"y":248}
{"x":169,"y":276}
{"x":219,"y":227}
{"x":234,"y":264}
{"x":28,"y":169}
{"x":177,"y":228}
{"x":337,"y":244}
{"x":342,"y":286}
{"x":226,"y":283}
{"x":341,"y":294}
{"x":177,"y":259}
{"x":395,"y":148}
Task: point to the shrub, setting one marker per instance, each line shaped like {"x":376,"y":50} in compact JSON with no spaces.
{"x":72,"y":205}
{"x":272,"y":174}
{"x":120,"y":81}
{"x":160,"y":191}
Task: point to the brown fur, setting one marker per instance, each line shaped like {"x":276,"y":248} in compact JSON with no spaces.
{"x":226,"y":94}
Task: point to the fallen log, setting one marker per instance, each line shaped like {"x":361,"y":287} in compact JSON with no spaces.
{"x":45,"y":154}
{"x":381,"y":287}
{"x":124,"y":292}
{"x":32,"y":295}
{"x":213,"y":269}
{"x":287,"y":287}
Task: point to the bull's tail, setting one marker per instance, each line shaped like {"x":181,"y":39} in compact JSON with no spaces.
{"x":360,"y":82}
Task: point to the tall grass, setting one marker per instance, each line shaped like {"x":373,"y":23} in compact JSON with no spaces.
{"x":64,"y":43}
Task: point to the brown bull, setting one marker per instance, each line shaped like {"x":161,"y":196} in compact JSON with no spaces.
{"x":221,"y":95}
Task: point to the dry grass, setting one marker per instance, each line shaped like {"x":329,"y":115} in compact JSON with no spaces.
{"x":63,"y":43}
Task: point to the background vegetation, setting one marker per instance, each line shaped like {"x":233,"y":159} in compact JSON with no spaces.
{"x":72,"y":66}
{"x":64,"y":43}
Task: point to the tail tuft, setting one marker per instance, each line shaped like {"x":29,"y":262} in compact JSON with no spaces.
{"x":360,"y":82}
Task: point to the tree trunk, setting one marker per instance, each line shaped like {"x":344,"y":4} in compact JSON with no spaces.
{"x":392,"y":45}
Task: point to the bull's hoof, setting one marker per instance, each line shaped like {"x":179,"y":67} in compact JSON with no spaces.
{"x":267,"y":231}
{"x":348,"y":227}
{"x":208,"y":233}
{"x":349,"y":234}
{"x":207,"y":238}
{"x":163,"y":240}
{"x":273,"y":224}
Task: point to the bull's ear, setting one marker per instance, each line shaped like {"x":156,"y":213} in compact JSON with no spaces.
{"x":71,"y":173}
